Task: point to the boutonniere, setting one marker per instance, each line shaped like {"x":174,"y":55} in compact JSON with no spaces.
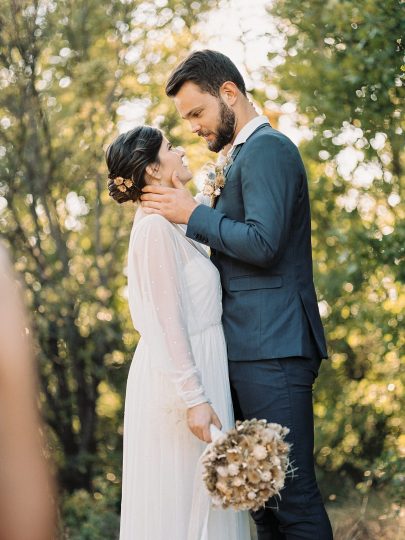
{"x":215,"y":178}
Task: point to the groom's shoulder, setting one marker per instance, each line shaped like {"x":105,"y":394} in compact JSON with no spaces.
{"x":267,"y":135}
{"x":267,"y":141}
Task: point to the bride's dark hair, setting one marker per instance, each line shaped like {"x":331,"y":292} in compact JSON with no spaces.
{"x":127,"y":158}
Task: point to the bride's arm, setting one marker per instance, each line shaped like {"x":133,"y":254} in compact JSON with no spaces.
{"x":163,"y":296}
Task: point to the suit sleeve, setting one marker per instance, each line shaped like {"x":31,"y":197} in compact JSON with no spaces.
{"x":271,"y":175}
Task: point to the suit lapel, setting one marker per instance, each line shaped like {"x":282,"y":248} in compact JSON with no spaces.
{"x":233,"y":156}
{"x":228,"y":168}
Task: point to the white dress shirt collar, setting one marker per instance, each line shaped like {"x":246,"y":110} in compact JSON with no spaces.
{"x":249,"y":128}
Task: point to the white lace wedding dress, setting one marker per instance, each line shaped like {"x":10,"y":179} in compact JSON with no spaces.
{"x":180,"y":361}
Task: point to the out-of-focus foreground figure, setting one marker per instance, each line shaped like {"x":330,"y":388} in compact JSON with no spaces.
{"x":27,"y":494}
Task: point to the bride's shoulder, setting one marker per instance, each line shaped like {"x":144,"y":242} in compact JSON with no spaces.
{"x":154,"y":224}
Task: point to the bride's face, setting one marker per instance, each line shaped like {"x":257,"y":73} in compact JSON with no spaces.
{"x":172,"y":160}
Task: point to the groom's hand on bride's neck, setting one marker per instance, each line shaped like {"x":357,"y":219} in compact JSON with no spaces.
{"x":174,"y":203}
{"x":199,"y":419}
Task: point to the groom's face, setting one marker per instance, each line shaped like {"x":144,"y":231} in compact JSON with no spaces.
{"x":209,"y":116}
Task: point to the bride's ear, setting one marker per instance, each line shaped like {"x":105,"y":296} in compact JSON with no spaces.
{"x":152,"y":170}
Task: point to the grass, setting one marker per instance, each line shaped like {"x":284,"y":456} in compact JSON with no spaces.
{"x":372,"y":517}
{"x":367,"y":521}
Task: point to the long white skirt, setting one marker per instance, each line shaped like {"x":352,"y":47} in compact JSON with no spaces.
{"x":161,"y":454}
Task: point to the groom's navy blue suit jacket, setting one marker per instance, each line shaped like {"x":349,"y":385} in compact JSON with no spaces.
{"x":260,"y":237}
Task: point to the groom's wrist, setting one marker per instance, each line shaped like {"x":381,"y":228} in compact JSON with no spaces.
{"x":189,"y":212}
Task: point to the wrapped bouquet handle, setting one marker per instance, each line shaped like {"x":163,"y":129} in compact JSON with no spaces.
{"x":215,"y":435}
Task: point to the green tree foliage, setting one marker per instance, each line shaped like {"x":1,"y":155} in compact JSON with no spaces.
{"x":65,"y":69}
{"x":342,"y":65}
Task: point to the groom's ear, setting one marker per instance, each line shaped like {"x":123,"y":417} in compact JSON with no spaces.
{"x":229,"y":92}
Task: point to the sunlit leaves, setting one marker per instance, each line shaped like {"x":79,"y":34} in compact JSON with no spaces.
{"x":66,"y":68}
{"x":343,"y":71}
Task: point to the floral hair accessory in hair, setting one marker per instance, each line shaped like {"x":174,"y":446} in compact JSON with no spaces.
{"x":123,"y":184}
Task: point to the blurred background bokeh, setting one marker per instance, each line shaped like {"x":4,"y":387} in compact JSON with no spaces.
{"x":329,"y":74}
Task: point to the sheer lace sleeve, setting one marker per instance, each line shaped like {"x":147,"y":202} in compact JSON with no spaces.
{"x":159,"y":304}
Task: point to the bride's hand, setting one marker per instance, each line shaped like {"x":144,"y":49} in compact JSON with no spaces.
{"x":199,"y":419}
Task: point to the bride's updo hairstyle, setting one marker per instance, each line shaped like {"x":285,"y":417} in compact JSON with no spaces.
{"x":127,"y":158}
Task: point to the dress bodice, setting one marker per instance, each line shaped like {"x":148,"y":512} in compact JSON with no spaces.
{"x":199,"y":278}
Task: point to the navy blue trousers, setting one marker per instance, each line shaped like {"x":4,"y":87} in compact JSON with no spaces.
{"x":280,"y":390}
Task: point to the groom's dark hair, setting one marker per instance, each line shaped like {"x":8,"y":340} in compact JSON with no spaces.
{"x":208,"y":70}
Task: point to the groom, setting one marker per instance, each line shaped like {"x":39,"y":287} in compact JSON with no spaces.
{"x":260,"y":238}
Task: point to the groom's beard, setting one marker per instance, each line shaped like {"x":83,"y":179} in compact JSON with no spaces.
{"x":225,"y":130}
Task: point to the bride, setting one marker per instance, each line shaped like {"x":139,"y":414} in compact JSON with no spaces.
{"x":178,"y":381}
